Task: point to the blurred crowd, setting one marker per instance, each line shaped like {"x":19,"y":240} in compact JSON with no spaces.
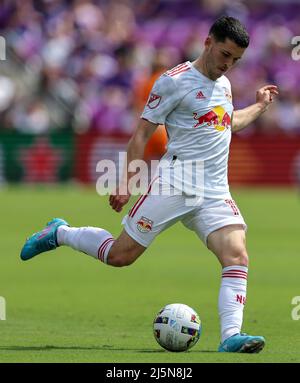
{"x":89,"y":65}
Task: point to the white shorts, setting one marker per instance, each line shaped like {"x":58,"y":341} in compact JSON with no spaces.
{"x":152,"y":214}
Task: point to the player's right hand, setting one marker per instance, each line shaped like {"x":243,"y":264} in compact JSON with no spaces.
{"x":117,"y":201}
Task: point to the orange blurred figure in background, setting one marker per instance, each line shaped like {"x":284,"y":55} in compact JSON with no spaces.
{"x":156,"y":146}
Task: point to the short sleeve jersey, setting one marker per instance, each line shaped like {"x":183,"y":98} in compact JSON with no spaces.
{"x":196,"y":112}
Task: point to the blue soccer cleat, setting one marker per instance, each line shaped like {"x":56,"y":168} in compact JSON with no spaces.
{"x":243,"y":343}
{"x":42,"y":241}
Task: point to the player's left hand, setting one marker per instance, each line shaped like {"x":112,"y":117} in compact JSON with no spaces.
{"x":118,"y":200}
{"x":265,"y":95}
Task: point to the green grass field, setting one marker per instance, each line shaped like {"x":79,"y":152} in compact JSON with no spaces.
{"x":64,"y":306}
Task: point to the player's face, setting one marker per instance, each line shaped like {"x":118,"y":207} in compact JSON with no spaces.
{"x":221,"y":56}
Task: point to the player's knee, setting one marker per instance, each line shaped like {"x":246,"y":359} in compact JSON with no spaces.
{"x":120,"y":259}
{"x":238,"y":256}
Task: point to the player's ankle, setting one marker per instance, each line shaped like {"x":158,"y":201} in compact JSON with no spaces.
{"x":60,"y":234}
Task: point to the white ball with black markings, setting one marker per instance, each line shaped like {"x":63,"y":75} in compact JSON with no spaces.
{"x":177,"y":327}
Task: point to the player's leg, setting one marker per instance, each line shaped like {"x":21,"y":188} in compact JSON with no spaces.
{"x":124,"y":251}
{"x":222,"y":228}
{"x":101,"y":245}
{"x":151,"y":214}
{"x":229,"y":246}
{"x":92,"y":241}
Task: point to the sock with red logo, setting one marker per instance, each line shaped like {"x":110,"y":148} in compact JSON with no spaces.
{"x":232,"y":299}
{"x":89,"y":240}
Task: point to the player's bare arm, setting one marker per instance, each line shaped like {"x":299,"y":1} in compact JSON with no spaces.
{"x":264,"y":98}
{"x":135,"y":150}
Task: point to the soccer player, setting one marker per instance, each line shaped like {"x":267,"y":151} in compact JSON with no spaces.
{"x":194,"y":102}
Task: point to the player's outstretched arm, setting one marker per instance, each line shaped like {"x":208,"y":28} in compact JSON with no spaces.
{"x":135,"y":151}
{"x":264,"y":98}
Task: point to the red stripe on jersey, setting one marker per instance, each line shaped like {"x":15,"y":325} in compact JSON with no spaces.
{"x":183,"y":70}
{"x":179,"y":71}
{"x":180,"y":66}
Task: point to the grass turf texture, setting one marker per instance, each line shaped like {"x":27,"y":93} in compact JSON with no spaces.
{"x":64,"y":306}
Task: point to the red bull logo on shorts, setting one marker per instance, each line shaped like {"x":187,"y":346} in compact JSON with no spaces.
{"x":217,"y":117}
{"x":144,"y":225}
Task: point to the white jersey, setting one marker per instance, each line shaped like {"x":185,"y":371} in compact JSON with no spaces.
{"x":197,"y":114}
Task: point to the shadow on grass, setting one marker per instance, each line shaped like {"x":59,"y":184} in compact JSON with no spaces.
{"x":95,"y":348}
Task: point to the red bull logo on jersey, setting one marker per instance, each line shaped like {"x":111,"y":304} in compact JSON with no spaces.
{"x":144,"y":225}
{"x":217,"y":117}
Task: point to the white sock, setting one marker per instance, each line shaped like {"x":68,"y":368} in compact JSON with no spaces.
{"x":89,"y":240}
{"x":232,"y":299}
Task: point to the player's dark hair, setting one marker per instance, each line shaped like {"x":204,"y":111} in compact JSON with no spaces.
{"x":232,"y":28}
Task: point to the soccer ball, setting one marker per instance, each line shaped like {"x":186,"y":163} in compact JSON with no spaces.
{"x":177,"y":327}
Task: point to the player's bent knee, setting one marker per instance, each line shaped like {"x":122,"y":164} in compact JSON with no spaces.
{"x":124,"y":251}
{"x":116,"y":261}
{"x":120,"y":259}
{"x":237,"y":256}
